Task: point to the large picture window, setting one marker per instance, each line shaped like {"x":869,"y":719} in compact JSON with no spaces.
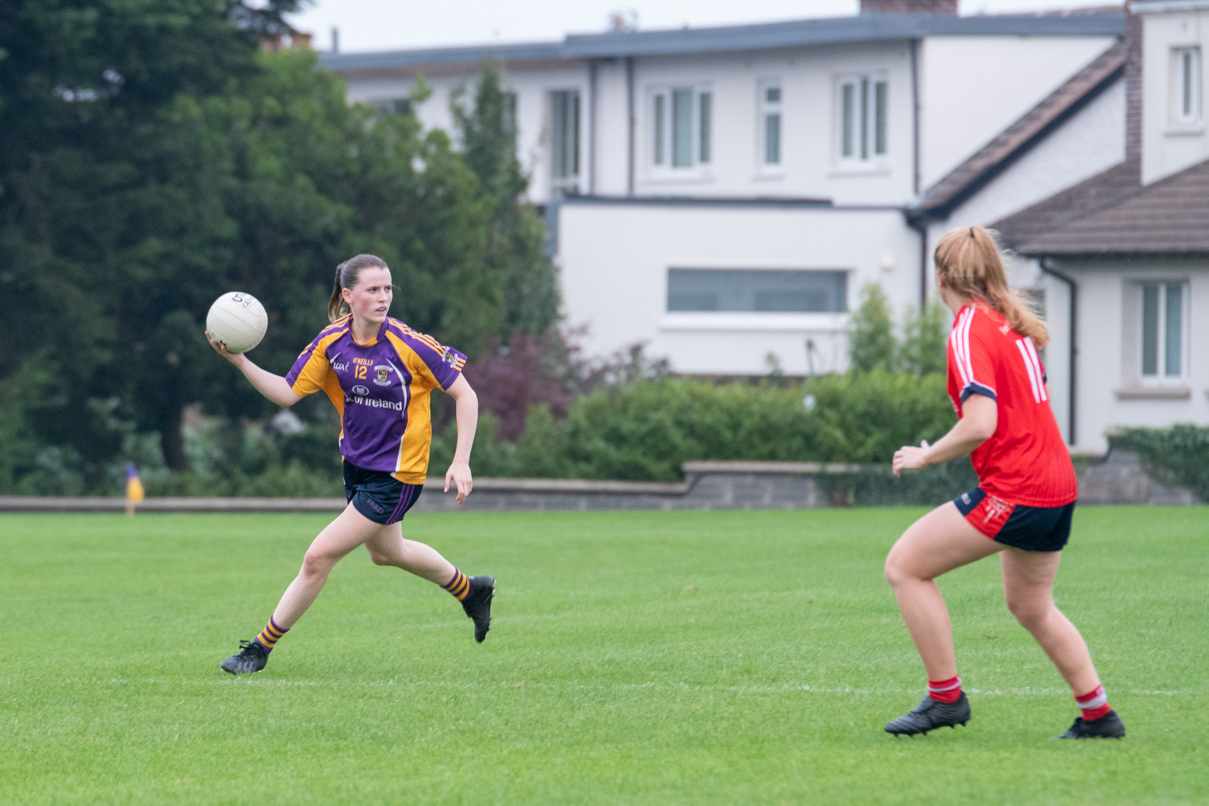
{"x":681,"y":132}
{"x":765,"y":290}
{"x":862,"y":109}
{"x":564,"y":141}
{"x":1164,"y":331}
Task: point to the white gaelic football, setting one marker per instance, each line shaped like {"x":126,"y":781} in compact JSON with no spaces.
{"x":237,"y":321}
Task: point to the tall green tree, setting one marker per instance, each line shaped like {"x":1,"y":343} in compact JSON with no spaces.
{"x":90,"y":207}
{"x":923,"y":349}
{"x":527,"y":285}
{"x":872,"y":343}
{"x":153,"y":157}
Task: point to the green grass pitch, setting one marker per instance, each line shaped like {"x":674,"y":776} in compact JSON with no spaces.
{"x":635,"y":658}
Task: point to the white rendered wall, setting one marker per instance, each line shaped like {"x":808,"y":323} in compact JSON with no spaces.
{"x":809,"y":127}
{"x":614,"y":262}
{"x":1105,"y":362}
{"x":1168,"y":148}
{"x":1088,"y":143}
{"x":532,"y":88}
{"x":972,"y":88}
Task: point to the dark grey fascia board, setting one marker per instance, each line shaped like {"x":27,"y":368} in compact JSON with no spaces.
{"x":838,"y":30}
{"x":1109,"y":255}
{"x":861,"y":28}
{"x":534,"y":51}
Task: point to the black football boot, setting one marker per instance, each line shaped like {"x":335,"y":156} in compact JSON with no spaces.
{"x":930,"y":715}
{"x":478,"y":605}
{"x":250,"y":658}
{"x":1108,"y":726}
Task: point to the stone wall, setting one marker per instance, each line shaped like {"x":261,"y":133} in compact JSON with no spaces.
{"x":1119,"y":478}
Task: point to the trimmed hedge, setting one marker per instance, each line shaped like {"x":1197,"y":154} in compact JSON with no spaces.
{"x":643,"y":431}
{"x":1180,"y":453}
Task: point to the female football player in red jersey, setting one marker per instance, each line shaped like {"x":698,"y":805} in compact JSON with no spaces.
{"x":378,"y":372}
{"x":1025,"y":498}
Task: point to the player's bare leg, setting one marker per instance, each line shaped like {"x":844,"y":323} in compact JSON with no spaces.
{"x":935,"y":544}
{"x":349,"y":530}
{"x":389,"y":547}
{"x":1028,"y":586}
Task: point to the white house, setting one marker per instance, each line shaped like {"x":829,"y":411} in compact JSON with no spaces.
{"x":1125,"y":252}
{"x":722,"y":194}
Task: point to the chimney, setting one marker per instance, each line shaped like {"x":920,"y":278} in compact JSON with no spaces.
{"x":909,"y":6}
{"x":1133,"y":84}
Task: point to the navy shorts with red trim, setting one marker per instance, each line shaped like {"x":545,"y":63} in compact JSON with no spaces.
{"x":1028,"y":528}
{"x":378,"y":495}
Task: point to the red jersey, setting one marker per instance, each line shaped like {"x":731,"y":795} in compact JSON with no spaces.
{"x":1025,"y":461}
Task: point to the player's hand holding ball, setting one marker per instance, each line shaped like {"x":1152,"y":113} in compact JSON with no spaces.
{"x":235,"y":324}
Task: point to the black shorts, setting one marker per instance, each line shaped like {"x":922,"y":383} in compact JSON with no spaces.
{"x":1028,"y":528}
{"x":378,"y":495}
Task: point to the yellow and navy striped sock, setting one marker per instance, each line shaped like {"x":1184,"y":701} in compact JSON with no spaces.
{"x":459,"y":586}
{"x":271,"y":634}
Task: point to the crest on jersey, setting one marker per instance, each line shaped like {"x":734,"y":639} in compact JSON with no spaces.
{"x":383,"y":378}
{"x":994,"y":508}
{"x":449,"y":357}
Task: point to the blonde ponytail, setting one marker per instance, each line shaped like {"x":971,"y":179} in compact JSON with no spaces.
{"x":970,"y":262}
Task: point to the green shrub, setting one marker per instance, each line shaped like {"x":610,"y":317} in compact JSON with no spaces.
{"x":643,"y":431}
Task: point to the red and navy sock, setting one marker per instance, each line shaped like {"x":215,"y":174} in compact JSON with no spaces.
{"x":459,"y":586}
{"x":1093,"y":704}
{"x":270,"y":635}
{"x":945,"y":690}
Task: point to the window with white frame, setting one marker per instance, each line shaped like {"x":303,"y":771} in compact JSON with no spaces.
{"x":564,"y":141}
{"x":1164,"y":331}
{"x":757,"y":290}
{"x":1186,"y":103}
{"x":393,"y":106}
{"x":681,"y":131}
{"x":509,"y":112}
{"x":861,"y":113}
{"x":770,"y":125}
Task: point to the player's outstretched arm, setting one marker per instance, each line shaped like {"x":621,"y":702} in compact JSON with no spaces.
{"x":274,"y":387}
{"x":979,"y":419}
{"x":467,"y":405}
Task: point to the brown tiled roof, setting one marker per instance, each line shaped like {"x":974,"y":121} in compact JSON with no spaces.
{"x":1100,"y":191}
{"x":1116,"y":215}
{"x":990,"y":160}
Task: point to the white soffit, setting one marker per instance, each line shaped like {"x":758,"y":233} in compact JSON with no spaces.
{"x":1161,"y":6}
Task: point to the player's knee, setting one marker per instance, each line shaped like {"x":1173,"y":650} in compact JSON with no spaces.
{"x":379,"y":558}
{"x":894,"y":571}
{"x":316,"y":562}
{"x":1031,"y":615}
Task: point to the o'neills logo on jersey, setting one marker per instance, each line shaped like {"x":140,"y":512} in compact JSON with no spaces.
{"x":373,"y":402}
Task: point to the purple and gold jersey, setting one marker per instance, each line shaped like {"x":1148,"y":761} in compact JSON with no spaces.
{"x":381,"y":391}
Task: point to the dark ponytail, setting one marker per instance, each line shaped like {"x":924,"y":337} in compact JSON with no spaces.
{"x":346,"y":277}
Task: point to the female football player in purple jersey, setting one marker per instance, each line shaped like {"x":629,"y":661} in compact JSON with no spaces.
{"x":378,"y":372}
